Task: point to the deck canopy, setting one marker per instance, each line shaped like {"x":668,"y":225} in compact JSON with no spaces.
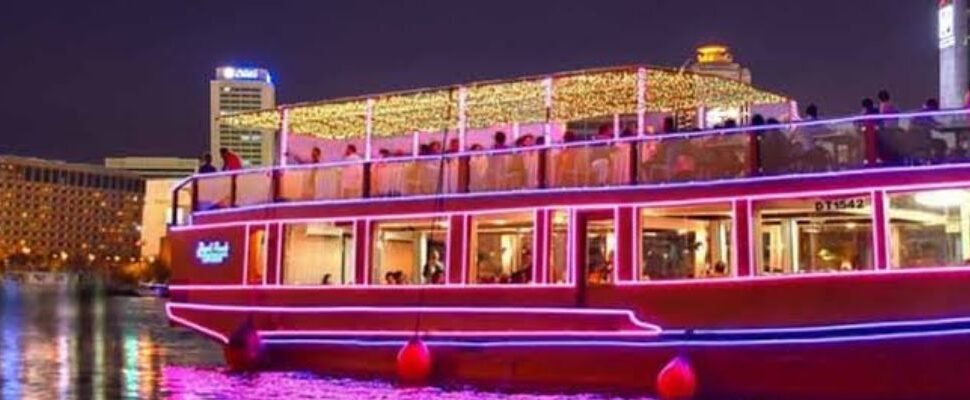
{"x":563,"y":97}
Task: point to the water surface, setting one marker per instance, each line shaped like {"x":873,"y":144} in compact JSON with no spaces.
{"x":61,"y":344}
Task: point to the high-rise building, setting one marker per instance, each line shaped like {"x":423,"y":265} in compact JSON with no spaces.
{"x":236,"y":90}
{"x":952,"y":35}
{"x":154,"y":167}
{"x":53,"y":212}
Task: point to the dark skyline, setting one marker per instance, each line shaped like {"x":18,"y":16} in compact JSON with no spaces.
{"x":81,"y":81}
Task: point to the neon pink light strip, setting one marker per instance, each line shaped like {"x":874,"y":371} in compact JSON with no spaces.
{"x":821,"y":275}
{"x":191,"y":325}
{"x":671,"y":185}
{"x":633,"y":319}
{"x":466,"y":220}
{"x":752,"y":244}
{"x":837,"y":327}
{"x":279,"y":254}
{"x":245,"y":275}
{"x":427,"y":334}
{"x":629,"y":344}
{"x":483,"y":286}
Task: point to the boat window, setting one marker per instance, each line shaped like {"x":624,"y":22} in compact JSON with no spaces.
{"x":686,"y":242}
{"x":929,"y":228}
{"x":410,"y":252}
{"x":600,"y":248}
{"x":256,"y":257}
{"x":501,"y":248}
{"x":814,"y":234}
{"x":318,"y":253}
{"x":559,"y":248}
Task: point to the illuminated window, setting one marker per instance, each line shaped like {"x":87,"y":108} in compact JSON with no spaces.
{"x":500,"y":248}
{"x":686,"y":242}
{"x":410,"y":252}
{"x":318,"y":254}
{"x":929,"y":228}
{"x":600,"y":249}
{"x":559,"y":248}
{"x":815,"y":234}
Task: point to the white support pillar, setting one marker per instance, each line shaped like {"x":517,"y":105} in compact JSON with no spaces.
{"x":641,"y":100}
{"x":284,"y":135}
{"x":368,"y":128}
{"x":547,"y":127}
{"x":462,"y":118}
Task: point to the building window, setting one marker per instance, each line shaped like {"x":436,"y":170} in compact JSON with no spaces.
{"x":320,"y":253}
{"x":814,"y":234}
{"x":685,"y":242}
{"x":929,"y":228}
{"x":500,"y":248}
{"x":410,"y":252}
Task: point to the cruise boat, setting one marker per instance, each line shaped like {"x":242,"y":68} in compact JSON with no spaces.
{"x":624,"y":230}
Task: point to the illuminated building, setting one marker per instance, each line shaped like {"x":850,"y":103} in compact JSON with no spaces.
{"x":161,"y":174}
{"x":717,"y":60}
{"x":154,"y":167}
{"x":234,"y":90}
{"x":952,"y":35}
{"x":55,"y":212}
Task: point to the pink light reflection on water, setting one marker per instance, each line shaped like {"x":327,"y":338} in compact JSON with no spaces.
{"x":187,"y":383}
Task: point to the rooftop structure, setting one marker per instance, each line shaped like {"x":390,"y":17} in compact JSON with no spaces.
{"x":154,"y":167}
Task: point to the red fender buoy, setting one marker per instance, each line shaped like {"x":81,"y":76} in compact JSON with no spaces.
{"x":244,"y":352}
{"x":677,"y":380}
{"x":414,"y":362}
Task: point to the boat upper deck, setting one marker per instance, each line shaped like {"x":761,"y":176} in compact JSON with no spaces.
{"x":619,"y":160}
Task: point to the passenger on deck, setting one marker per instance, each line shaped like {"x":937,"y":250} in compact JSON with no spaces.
{"x":885,"y":103}
{"x":438,"y":278}
{"x":206,"y":167}
{"x":454,"y":146}
{"x":326,"y":280}
{"x":499,"y":140}
{"x":230,"y":161}
{"x":434,"y":147}
{"x":351,"y":175}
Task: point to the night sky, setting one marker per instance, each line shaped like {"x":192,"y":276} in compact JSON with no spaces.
{"x":81,"y":80}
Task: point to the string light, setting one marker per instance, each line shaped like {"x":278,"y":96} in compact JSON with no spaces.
{"x":338,"y":120}
{"x":420,"y":111}
{"x":505,"y":103}
{"x":594,"y":94}
{"x":575,"y":96}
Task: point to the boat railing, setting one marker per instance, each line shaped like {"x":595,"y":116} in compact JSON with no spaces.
{"x":871,"y":141}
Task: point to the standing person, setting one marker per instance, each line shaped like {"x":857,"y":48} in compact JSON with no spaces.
{"x":885,"y":103}
{"x":206,"y":167}
{"x":351,"y":175}
{"x":230,"y":161}
{"x":432,"y":267}
{"x":811,"y":113}
{"x":869,"y":107}
{"x":499,"y":140}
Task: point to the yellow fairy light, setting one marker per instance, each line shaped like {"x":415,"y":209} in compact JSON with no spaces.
{"x":594,"y":94}
{"x":263,"y":119}
{"x":338,"y":120}
{"x":575,"y":96}
{"x":422,"y":111}
{"x":504,"y":103}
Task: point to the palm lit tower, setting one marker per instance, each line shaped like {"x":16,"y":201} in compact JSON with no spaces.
{"x":952,"y":28}
{"x":234,"y":90}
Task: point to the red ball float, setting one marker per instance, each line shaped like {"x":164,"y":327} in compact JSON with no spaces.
{"x":414,"y":362}
{"x":677,"y":380}
{"x":244,"y":352}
